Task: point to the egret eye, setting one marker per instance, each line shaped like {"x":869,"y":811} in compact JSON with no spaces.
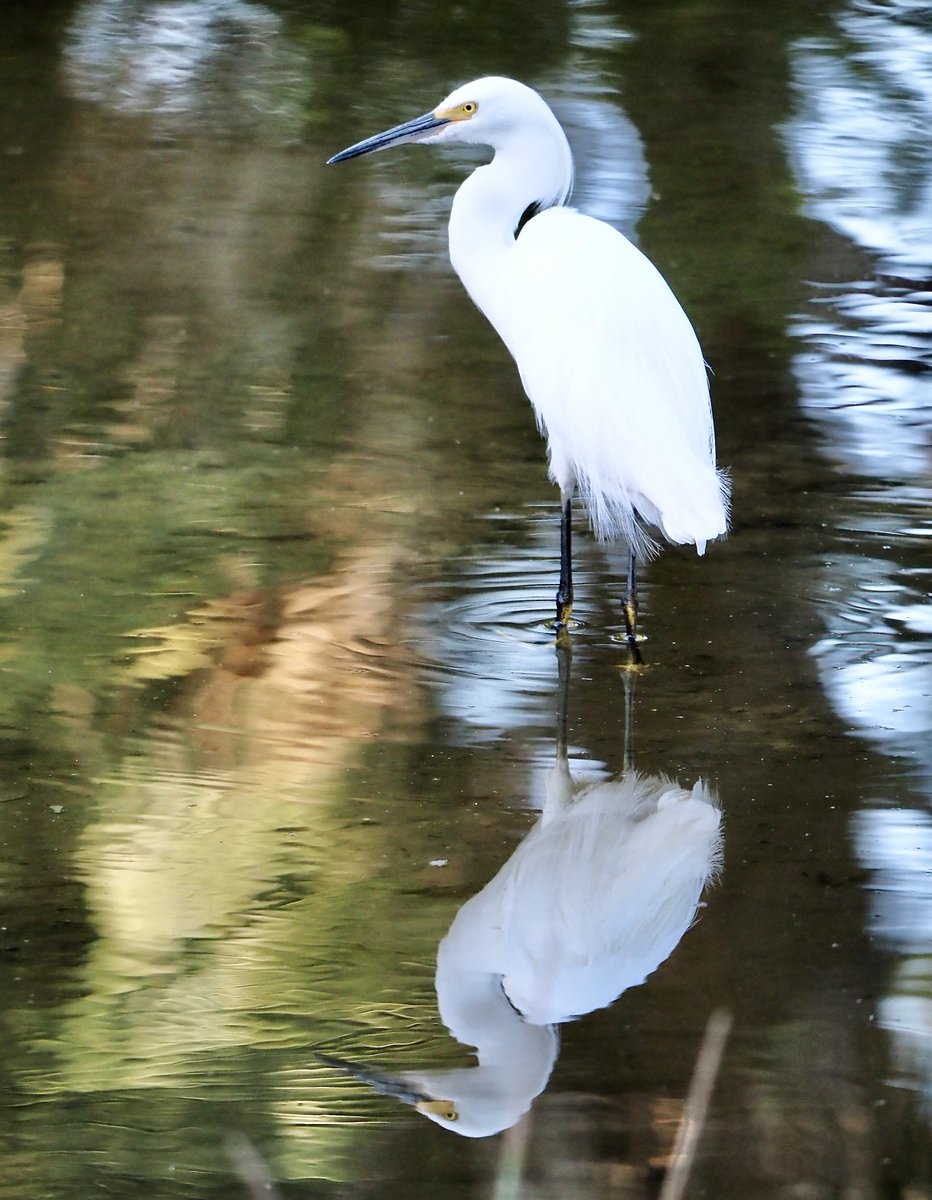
{"x":444,"y":1109}
{"x":469,"y":108}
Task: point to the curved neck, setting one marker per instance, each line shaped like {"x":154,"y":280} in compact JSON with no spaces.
{"x":515,"y":1057}
{"x":487,"y":209}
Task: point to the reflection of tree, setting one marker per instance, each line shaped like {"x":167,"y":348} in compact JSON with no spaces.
{"x":214,"y":403}
{"x":722,"y":225}
{"x":403,"y":39}
{"x":860,"y":146}
{"x":231,"y":857}
{"x":204,"y":558}
{"x":173,"y":365}
{"x":812,"y":1127}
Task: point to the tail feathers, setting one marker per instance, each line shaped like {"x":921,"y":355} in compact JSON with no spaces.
{"x":613,"y":519}
{"x":697,"y":514}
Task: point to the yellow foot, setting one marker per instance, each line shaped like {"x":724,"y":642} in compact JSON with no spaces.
{"x":563,"y":634}
{"x":635,"y":660}
{"x":632,"y":645}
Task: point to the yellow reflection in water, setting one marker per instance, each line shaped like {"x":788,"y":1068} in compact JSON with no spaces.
{"x":224,"y":875}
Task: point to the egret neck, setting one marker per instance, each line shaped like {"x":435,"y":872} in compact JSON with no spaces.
{"x":535,"y":170}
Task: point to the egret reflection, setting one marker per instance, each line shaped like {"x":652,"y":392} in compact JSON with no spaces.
{"x":597,"y":895}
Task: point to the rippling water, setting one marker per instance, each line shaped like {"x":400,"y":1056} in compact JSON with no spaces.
{"x":865,"y":96}
{"x":285,"y":746}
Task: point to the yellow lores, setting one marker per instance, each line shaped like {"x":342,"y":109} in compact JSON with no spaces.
{"x":445,"y":1109}
{"x":459,"y":112}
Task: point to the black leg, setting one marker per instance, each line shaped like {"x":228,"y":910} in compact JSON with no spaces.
{"x":565,"y":590}
{"x":564,"y":659}
{"x":630,"y":678}
{"x":629,"y":607}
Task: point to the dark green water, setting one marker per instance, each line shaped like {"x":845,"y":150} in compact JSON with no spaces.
{"x":277,"y":550}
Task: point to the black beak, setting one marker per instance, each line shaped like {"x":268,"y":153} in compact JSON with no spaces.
{"x":397,"y":1088}
{"x":410,"y":131}
{"x":384,"y":1084}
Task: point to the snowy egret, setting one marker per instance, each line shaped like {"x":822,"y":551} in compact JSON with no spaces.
{"x":597,"y":895}
{"x":594,"y":899}
{"x":606,"y":354}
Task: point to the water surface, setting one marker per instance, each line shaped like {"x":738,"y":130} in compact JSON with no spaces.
{"x":277,"y":558}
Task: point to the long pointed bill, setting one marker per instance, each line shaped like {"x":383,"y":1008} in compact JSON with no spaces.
{"x":383,"y":1083}
{"x":395,"y":1086}
{"x":410,"y":131}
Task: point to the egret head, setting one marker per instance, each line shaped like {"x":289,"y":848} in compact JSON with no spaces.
{"x":484,"y":112}
{"x":470,"y":1101}
{"x":405,"y":1088}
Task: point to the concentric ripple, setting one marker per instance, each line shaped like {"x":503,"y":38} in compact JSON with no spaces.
{"x":487,"y":634}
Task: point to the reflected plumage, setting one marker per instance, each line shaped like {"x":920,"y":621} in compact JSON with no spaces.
{"x":606,"y":354}
{"x":598,"y":894}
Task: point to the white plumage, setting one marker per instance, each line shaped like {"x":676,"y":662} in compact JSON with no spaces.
{"x":616,"y":377}
{"x":606,"y":354}
{"x":594,"y":899}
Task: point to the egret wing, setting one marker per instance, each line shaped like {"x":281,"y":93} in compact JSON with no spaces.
{"x":614,"y":371}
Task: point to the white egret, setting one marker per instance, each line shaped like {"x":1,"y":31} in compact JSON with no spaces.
{"x":606,"y":354}
{"x":594,"y":899}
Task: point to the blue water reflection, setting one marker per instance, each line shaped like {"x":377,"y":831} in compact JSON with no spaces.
{"x":897,"y":846}
{"x":865,"y":376}
{"x":860,"y":140}
{"x":860,"y":147}
{"x":863,"y":158}
{"x":164,"y":59}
